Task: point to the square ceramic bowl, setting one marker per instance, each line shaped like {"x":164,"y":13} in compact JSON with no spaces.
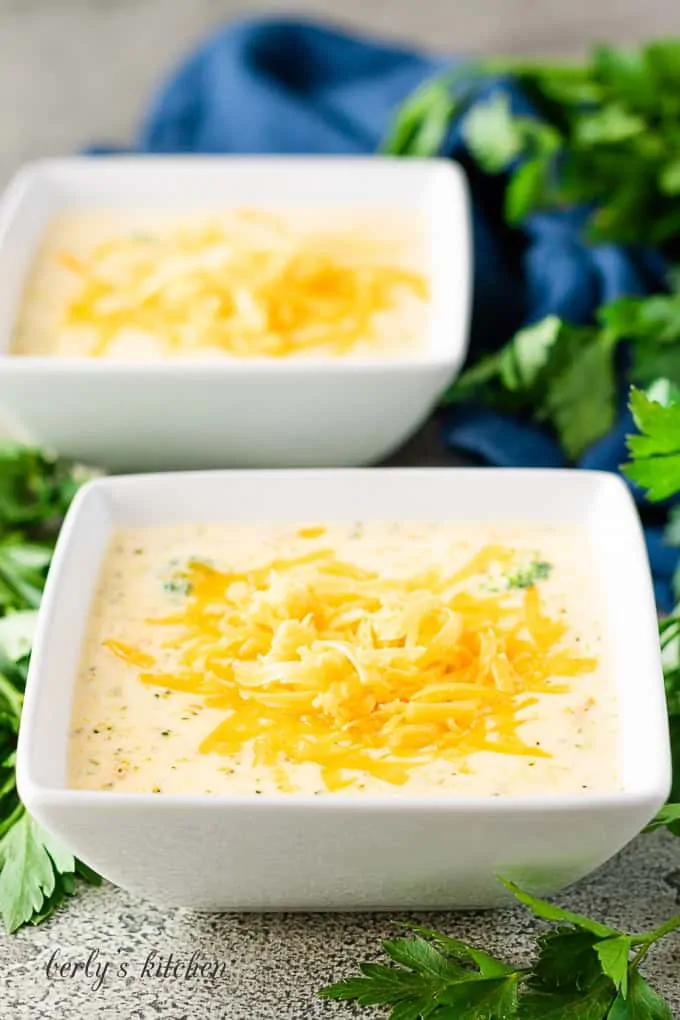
{"x":294,"y":851}
{"x":330,"y":412}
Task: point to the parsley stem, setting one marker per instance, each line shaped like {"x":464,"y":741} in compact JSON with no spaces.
{"x":647,"y":940}
{"x":640,"y":955}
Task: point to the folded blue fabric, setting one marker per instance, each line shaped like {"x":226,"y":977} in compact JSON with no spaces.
{"x":279,"y":86}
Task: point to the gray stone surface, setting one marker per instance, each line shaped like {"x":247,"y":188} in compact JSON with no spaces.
{"x":77,"y":70}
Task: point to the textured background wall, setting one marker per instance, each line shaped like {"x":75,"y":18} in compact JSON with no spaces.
{"x":76,"y":70}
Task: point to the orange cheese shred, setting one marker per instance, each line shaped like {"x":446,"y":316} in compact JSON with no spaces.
{"x":312,"y":660}
{"x":247,"y":288}
{"x":129,"y":654}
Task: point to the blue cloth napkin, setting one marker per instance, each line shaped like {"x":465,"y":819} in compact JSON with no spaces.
{"x":281,"y":86}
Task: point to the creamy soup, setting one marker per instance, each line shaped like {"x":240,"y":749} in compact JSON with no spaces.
{"x":238,"y":283}
{"x":394,"y":658}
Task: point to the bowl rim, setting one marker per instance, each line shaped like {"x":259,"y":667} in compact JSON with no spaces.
{"x":36,"y":173}
{"x":35,"y":792}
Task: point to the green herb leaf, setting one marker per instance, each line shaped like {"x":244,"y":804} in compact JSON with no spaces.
{"x":655,"y":318}
{"x":580,"y":399}
{"x":669,"y":180}
{"x":653,"y":326}
{"x":35,"y":489}
{"x":641,"y":1003}
{"x":423,"y":121}
{"x":551,"y":912}
{"x":528,"y":189}
{"x":16,"y":634}
{"x":655,"y":463}
{"x":529,"y":354}
{"x":591,"y":1003}
{"x":566,"y":960}
{"x":625,"y":73}
{"x":378,"y":985}
{"x":23,"y":568}
{"x":517,"y":369}
{"x":554,"y":372}
{"x":668,"y":817}
{"x":480,"y":999}
{"x":488,"y":966}
{"x":612,"y":123}
{"x":492,"y":134}
{"x":30,"y":861}
{"x":422,"y":957}
{"x":614,"y":954}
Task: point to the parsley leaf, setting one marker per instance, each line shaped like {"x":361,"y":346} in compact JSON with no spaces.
{"x":641,"y":1003}
{"x":614,"y":954}
{"x":523,"y":361}
{"x":424,"y":958}
{"x":35,"y":489}
{"x":566,"y":959}
{"x":16,"y":633}
{"x":652,"y":327}
{"x":516,"y":368}
{"x":496,"y":138}
{"x":493,"y":135}
{"x":580,"y":399}
{"x":655,"y":463}
{"x":554,"y":372}
{"x":23,"y":569}
{"x":32,"y":863}
{"x":423,"y":120}
{"x":668,"y":817}
{"x":487,"y":965}
{"x":480,"y":999}
{"x":591,"y":1003}
{"x":551,"y":912}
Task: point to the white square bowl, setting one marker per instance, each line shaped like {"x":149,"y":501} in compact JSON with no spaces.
{"x":293,"y":851}
{"x":328,"y":412}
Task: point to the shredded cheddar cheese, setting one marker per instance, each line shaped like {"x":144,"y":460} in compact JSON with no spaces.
{"x":247,"y":287}
{"x":313,"y":659}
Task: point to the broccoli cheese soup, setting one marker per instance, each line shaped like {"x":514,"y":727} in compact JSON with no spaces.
{"x":238,"y":283}
{"x":393,"y":658}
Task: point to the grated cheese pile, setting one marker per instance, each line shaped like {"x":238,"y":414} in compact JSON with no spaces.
{"x":313,"y":659}
{"x":248,"y":286}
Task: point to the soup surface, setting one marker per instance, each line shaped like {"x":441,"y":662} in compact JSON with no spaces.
{"x":239,"y":283}
{"x":396,"y":658}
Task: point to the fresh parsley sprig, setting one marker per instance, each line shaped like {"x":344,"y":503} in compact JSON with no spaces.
{"x":606,"y":137}
{"x":36,"y":873}
{"x":562,"y":376}
{"x":655,"y":452}
{"x":583,"y":970}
